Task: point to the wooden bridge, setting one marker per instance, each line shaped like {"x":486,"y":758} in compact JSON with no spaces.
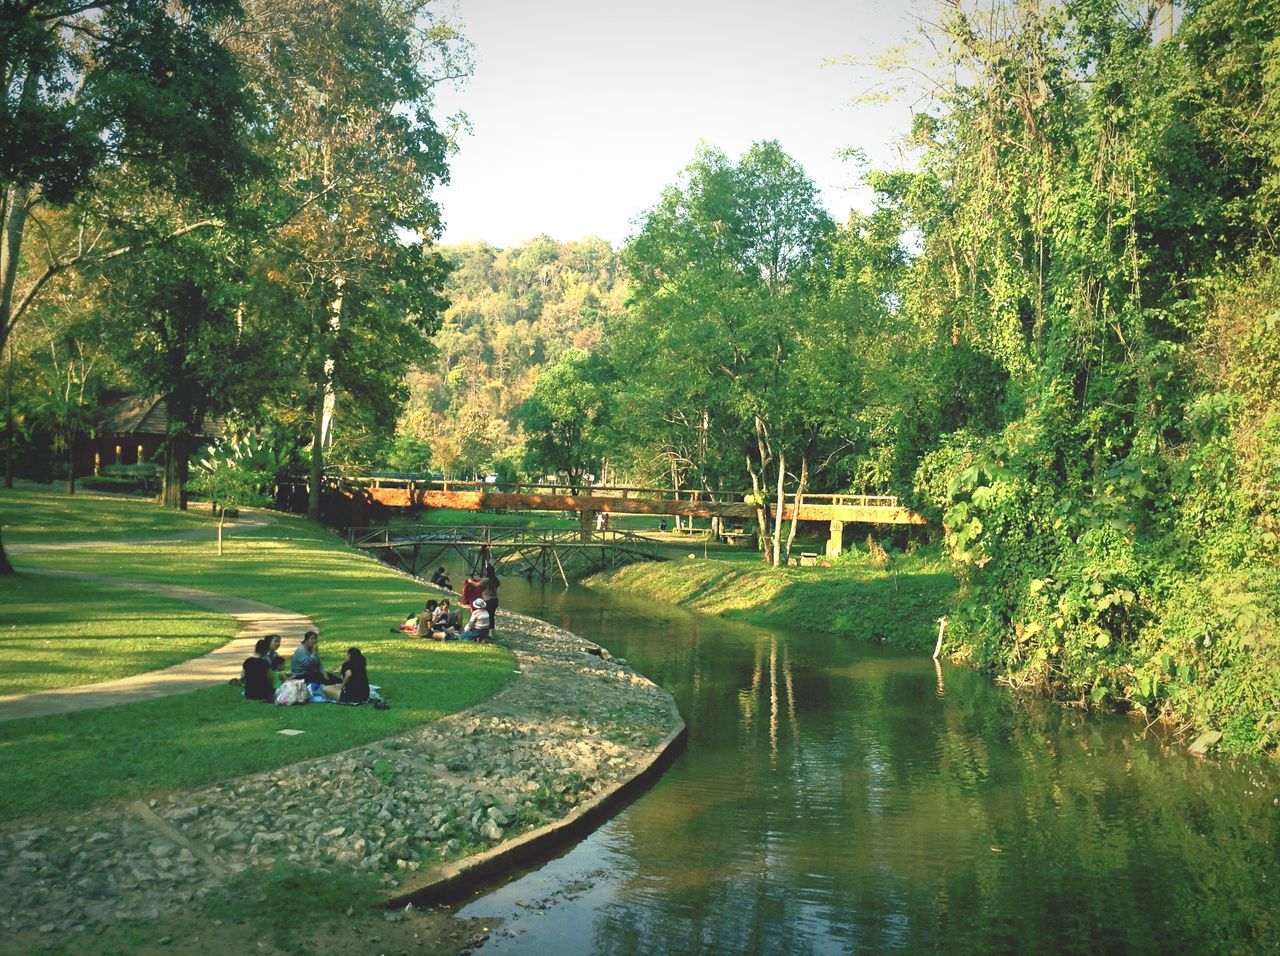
{"x":734,"y":508}
{"x":541,"y":553}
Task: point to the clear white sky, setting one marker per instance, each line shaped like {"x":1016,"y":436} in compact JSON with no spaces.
{"x":583,"y":110}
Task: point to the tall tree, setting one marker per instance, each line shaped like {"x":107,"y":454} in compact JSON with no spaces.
{"x":566,"y":416}
{"x":348,"y":88}
{"x":721,"y":270}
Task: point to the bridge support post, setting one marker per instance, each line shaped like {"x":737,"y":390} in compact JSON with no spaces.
{"x":835,"y":542}
{"x":586,"y":525}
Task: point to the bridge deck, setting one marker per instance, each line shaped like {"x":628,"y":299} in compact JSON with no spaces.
{"x":872,"y":509}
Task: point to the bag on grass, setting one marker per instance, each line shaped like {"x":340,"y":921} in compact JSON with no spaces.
{"x":293,"y":692}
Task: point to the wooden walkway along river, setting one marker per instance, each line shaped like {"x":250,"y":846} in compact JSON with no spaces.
{"x":733,"y":507}
{"x":530,"y":552}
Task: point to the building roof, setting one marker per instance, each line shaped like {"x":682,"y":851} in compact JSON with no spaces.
{"x":148,"y":415}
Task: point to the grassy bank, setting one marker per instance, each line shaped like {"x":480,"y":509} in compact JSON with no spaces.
{"x":93,"y":757}
{"x":60,"y":633}
{"x":899,"y":605}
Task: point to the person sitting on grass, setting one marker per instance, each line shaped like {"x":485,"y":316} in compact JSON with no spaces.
{"x":274,"y":661}
{"x":422,"y":627}
{"x":353,"y":688}
{"x":478,"y":623}
{"x":444,"y":623}
{"x":441,"y":580}
{"x":306,"y":662}
{"x":255,"y":674}
{"x":409,"y":626}
{"x":447,"y":617}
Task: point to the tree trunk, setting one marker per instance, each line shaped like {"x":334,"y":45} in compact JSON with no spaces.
{"x":14,"y":208}
{"x":5,"y":566}
{"x":777,"y":517}
{"x":317,"y":455}
{"x":71,"y":465}
{"x":795,"y":516}
{"x":177,"y":455}
{"x":757,"y":487}
{"x":8,"y":421}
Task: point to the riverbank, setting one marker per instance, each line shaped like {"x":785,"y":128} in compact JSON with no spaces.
{"x":897,"y":604}
{"x":235,"y":864}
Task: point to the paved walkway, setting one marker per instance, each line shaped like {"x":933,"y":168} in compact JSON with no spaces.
{"x":256,"y":620}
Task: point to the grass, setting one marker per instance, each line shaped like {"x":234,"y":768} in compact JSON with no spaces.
{"x":851,"y":598}
{"x":60,"y":633}
{"x":35,"y":515}
{"x":82,"y":760}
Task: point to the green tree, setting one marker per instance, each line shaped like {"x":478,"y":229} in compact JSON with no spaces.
{"x":565,"y":416}
{"x":349,"y":86}
{"x":722,"y":270}
{"x":115,"y":89}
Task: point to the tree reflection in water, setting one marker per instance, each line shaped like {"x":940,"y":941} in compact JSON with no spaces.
{"x":832,"y":799}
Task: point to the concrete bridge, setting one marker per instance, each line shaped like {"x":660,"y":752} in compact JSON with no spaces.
{"x":734,"y":508}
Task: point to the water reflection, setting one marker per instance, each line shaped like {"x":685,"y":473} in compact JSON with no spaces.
{"x":837,"y":798}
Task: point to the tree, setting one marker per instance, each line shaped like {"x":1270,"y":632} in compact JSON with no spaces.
{"x":348,"y":87}
{"x":139,"y":88}
{"x":721,"y":269}
{"x":565,"y":416}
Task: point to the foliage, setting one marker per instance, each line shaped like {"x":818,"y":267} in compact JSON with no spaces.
{"x":513,"y":313}
{"x":566,"y":415}
{"x":1095,"y":417}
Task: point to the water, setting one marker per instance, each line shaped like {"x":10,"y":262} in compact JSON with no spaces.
{"x":836,"y":797}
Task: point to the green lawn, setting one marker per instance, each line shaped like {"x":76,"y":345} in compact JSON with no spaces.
{"x":82,"y":760}
{"x":35,"y":516}
{"x":59,"y":633}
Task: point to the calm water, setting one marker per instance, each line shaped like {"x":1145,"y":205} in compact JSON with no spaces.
{"x":836,"y":797}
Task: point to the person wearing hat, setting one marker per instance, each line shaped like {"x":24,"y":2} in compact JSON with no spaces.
{"x":478,"y":623}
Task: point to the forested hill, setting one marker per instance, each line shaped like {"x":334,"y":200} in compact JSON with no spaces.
{"x":514,"y":313}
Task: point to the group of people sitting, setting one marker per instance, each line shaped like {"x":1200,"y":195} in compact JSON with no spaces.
{"x":439,"y":620}
{"x":349,"y":686}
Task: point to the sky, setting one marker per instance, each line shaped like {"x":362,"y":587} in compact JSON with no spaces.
{"x":583,"y":111}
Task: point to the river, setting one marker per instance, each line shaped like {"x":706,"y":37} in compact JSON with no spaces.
{"x":837,"y":797}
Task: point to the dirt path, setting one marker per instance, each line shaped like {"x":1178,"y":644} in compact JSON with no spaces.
{"x":256,"y":620}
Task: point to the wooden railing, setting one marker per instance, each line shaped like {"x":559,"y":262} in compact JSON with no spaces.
{"x":348,"y":483}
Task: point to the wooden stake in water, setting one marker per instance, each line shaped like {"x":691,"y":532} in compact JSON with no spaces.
{"x":937,"y":649}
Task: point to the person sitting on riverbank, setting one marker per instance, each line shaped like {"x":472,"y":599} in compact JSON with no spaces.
{"x":444,"y":623}
{"x":440,"y":579}
{"x":477,"y":623}
{"x":305,"y":663}
{"x":255,"y":674}
{"x":353,"y":687}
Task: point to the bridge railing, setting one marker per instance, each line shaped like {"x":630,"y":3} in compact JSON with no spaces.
{"x":601,"y":491}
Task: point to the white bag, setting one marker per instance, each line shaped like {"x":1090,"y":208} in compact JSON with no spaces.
{"x":293,"y":692}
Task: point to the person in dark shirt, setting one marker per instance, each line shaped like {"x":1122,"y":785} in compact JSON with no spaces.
{"x":255,"y":674}
{"x":354,"y":688}
{"x":491,"y":584}
{"x":441,"y":580}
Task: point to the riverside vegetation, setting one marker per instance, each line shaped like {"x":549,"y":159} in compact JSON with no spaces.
{"x":1056,"y":333}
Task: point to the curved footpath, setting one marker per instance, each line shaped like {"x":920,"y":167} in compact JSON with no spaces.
{"x":433,"y":811}
{"x":256,"y":620}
